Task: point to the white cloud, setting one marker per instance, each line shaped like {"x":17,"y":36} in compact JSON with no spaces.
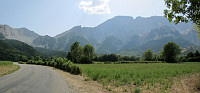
{"x":95,"y":6}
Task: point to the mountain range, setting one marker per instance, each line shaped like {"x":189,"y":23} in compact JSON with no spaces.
{"x":121,"y":34}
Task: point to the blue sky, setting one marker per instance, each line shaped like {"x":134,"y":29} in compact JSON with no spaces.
{"x":51,"y":17}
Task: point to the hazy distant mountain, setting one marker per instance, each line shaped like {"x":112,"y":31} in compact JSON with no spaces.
{"x":82,"y":35}
{"x":156,"y":39}
{"x":21,"y":34}
{"x":50,"y":53}
{"x":192,"y":37}
{"x":121,"y":33}
{"x":193,"y":49}
{"x":45,"y":42}
{"x":110,"y":45}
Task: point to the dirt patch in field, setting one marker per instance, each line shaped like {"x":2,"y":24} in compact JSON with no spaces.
{"x":8,"y":69}
{"x":188,"y":84}
{"x":80,"y":84}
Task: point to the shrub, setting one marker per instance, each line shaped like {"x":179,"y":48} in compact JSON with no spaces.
{"x":30,"y":62}
{"x":68,"y":66}
{"x":39,"y":62}
{"x":74,"y":70}
{"x":137,"y":90}
{"x":108,"y":62}
{"x":46,"y":63}
{"x":64,"y":66}
{"x":60,"y":63}
{"x":193,"y":59}
{"x":85,"y":60}
{"x":20,"y":62}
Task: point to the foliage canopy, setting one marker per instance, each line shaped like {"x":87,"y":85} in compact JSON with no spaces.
{"x":183,"y":11}
{"x":170,"y":52}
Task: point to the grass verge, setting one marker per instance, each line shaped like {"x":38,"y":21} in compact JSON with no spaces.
{"x":7,"y":67}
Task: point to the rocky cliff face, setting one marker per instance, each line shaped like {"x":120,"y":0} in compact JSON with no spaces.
{"x":21,"y":34}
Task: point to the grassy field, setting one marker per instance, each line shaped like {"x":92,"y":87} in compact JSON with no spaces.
{"x":7,"y":67}
{"x":145,"y":76}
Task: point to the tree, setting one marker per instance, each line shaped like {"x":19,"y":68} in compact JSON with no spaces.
{"x":76,"y":52}
{"x":190,"y":54}
{"x":148,"y":55}
{"x":31,"y":58}
{"x":170,"y":52}
{"x":23,"y":58}
{"x":113,"y":57}
{"x":69,"y":56}
{"x":196,"y":54}
{"x":38,"y":58}
{"x":88,"y":51}
{"x":183,"y":11}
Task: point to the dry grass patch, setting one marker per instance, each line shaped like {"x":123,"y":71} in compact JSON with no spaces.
{"x":80,"y":84}
{"x":7,"y":68}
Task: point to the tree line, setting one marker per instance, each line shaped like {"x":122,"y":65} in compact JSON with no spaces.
{"x":171,"y":54}
{"x":114,"y":58}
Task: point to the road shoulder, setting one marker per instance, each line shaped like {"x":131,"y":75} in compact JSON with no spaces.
{"x":80,"y":84}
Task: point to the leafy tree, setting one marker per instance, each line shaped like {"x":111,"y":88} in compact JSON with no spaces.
{"x":31,"y":58}
{"x":88,"y":54}
{"x":113,"y":57}
{"x":183,"y":10}
{"x":76,"y":52}
{"x":196,"y":54}
{"x":69,"y":56}
{"x":170,"y":52}
{"x":38,"y":58}
{"x":190,"y":54}
{"x":148,"y":55}
{"x":85,"y":60}
{"x":23,"y":58}
{"x":88,"y":51}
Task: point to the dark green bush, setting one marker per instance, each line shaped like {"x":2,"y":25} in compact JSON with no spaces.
{"x":30,"y":62}
{"x":193,"y":59}
{"x":40,"y":62}
{"x":107,"y":62}
{"x":85,"y":60}
{"x":20,"y":62}
{"x":75,"y":70}
{"x":64,"y":66}
{"x":137,"y":90}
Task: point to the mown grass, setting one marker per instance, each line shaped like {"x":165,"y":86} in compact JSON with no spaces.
{"x":7,"y":67}
{"x":154,"y":75}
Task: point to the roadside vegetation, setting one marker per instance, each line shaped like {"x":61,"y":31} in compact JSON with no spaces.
{"x":7,"y":67}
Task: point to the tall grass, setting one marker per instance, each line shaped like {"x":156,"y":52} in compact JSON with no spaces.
{"x":158,"y":75}
{"x":5,"y":63}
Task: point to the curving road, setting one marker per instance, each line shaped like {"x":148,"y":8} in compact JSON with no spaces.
{"x":33,"y":79}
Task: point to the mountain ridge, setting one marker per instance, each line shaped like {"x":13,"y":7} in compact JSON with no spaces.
{"x":127,"y":33}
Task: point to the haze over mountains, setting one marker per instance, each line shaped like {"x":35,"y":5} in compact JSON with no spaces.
{"x":121,"y":34}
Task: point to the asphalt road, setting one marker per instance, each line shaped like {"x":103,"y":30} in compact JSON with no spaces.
{"x":33,"y":79}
